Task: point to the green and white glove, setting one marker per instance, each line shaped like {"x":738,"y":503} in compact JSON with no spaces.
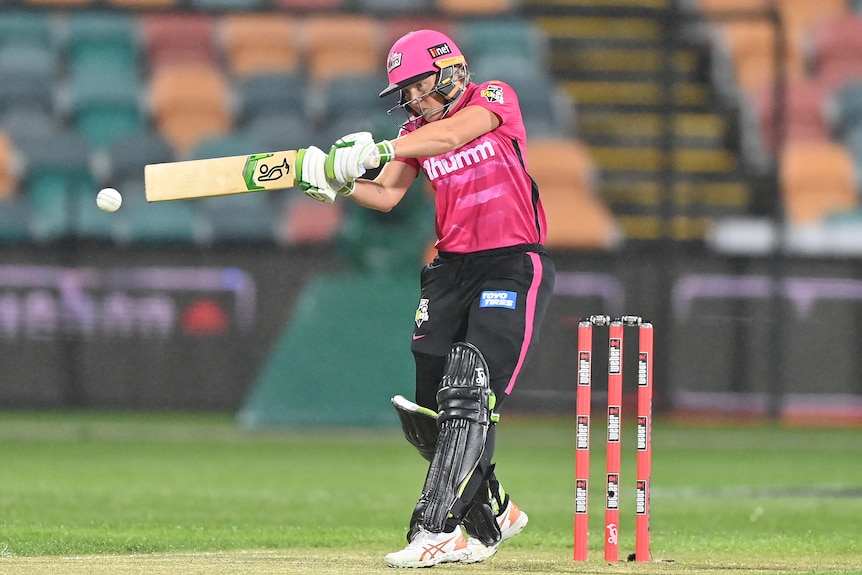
{"x":311,"y":175}
{"x":352,"y":155}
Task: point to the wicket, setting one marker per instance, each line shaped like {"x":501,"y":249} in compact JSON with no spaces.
{"x":616,"y":337}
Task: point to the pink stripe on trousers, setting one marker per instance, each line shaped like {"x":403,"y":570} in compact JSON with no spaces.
{"x":530,"y":314}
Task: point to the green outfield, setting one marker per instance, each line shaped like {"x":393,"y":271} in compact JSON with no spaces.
{"x":185,"y":494}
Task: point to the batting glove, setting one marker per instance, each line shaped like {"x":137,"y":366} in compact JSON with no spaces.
{"x":311,"y":175}
{"x":352,"y":155}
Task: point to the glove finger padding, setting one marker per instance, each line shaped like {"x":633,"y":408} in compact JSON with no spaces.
{"x":345,"y":161}
{"x":352,"y":155}
{"x":311,"y":174}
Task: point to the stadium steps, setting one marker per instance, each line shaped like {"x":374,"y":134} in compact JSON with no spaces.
{"x":608,"y":57}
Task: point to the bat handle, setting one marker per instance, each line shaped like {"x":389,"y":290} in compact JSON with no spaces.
{"x":372,"y":162}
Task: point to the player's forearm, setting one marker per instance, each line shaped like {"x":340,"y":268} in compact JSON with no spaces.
{"x":427,"y":141}
{"x":374,"y":195}
{"x":447,"y":134}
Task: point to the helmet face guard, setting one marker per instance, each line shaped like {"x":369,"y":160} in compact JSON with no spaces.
{"x":418,"y":55}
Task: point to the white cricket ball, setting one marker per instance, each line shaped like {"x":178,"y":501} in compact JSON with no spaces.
{"x":109,"y":200}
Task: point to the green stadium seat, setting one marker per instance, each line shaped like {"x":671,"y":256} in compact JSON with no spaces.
{"x":28,"y":73}
{"x":283,"y":93}
{"x":158,"y":223}
{"x":108,"y":38}
{"x":15,"y":221}
{"x":127,"y":155}
{"x":90,"y":222}
{"x":104,"y":105}
{"x":389,"y":8}
{"x":516,"y":42}
{"x":26,"y":27}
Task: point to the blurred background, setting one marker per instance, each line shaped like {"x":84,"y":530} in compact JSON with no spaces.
{"x":697,"y":160}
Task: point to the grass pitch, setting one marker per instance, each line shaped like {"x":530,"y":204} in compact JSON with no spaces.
{"x":147,"y":494}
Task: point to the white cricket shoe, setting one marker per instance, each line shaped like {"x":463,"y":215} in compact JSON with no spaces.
{"x":429,"y":549}
{"x":512,"y":521}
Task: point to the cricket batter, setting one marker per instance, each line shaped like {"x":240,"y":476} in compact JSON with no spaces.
{"x":482,"y":298}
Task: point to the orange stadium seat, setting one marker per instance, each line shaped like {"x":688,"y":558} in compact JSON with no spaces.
{"x":190,"y":102}
{"x":260,"y":43}
{"x":817,"y":179}
{"x":476,"y":7}
{"x":801,"y":17}
{"x":751,"y":46}
{"x":397,"y":26}
{"x":359,"y":52}
{"x":176,"y":38}
{"x":315,"y":5}
{"x":715,"y":7}
{"x":566,"y":175}
{"x":8,"y":169}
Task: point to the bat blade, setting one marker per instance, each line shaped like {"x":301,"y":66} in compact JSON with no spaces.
{"x":220,"y":176}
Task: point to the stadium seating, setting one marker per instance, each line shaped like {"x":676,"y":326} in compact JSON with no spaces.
{"x":475,"y":7}
{"x":310,"y":5}
{"x":260,"y":44}
{"x":817,"y":179}
{"x":15,"y":216}
{"x":845,"y":109}
{"x":179,"y":39}
{"x":394,"y":7}
{"x":397,"y":26}
{"x":104,"y":101}
{"x":127,"y":155}
{"x":303,"y":221}
{"x":157,"y":223}
{"x":517,"y":43}
{"x":58,"y":173}
{"x":29,"y":73}
{"x":8,"y":167}
{"x":25,"y":27}
{"x":109,"y":38}
{"x":190,"y":102}
{"x":804,"y":112}
{"x":361,"y":54}
{"x":566,"y":175}
{"x":228,"y":5}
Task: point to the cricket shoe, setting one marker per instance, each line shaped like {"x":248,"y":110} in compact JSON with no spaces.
{"x":428,"y":549}
{"x":511,"y":521}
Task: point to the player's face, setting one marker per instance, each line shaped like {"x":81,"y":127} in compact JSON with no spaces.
{"x":422,"y":100}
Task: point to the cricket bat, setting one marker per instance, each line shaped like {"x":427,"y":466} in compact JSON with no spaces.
{"x":222,"y":176}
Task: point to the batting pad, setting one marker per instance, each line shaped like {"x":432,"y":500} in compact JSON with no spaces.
{"x":465,"y":402}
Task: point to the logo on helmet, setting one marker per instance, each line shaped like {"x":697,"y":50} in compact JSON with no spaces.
{"x":394,"y":61}
{"x":439,"y":50}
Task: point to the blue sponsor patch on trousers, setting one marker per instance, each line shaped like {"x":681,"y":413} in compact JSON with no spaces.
{"x":506,"y":299}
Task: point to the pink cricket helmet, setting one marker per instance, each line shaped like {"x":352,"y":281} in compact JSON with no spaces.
{"x":418,"y":54}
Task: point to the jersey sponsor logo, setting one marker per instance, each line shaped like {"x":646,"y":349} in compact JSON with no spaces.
{"x":504,"y":299}
{"x":422,"y":312}
{"x":493,"y":93}
{"x":441,"y":166}
{"x":394,"y":61}
{"x":439,"y":50}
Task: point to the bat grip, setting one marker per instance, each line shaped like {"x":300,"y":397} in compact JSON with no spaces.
{"x":371,"y":162}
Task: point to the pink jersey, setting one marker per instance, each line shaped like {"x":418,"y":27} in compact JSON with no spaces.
{"x":485,"y":198}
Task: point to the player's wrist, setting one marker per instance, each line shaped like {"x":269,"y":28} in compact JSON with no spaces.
{"x":385,"y":151}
